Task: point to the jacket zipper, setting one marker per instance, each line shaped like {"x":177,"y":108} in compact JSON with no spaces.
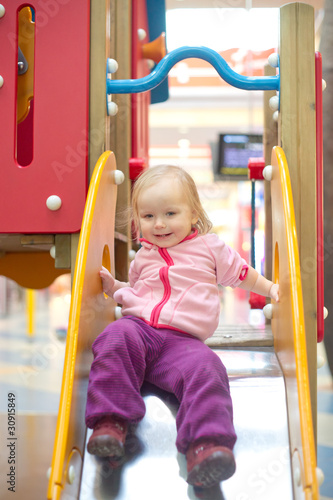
{"x":164,"y":275}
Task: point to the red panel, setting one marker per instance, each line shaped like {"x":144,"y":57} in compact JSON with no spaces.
{"x":25,"y":130}
{"x":61,"y":98}
{"x":140,"y":102}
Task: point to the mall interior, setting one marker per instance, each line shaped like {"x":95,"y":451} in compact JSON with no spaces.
{"x":210,"y":129}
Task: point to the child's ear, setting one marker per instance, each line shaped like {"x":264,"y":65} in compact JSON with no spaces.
{"x":195,"y":217}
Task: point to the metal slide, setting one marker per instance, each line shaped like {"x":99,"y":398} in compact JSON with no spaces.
{"x":275,"y":451}
{"x":154,"y":469}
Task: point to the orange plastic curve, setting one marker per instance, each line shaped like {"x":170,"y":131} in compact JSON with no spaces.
{"x":90,"y":312}
{"x":289,"y":314}
{"x":155,"y":50}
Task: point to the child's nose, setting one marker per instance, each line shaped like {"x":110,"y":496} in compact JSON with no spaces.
{"x":159,"y":222}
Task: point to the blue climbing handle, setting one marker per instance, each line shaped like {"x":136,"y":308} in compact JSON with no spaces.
{"x":162,"y":69}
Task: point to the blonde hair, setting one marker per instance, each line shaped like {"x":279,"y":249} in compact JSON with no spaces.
{"x":155,"y":174}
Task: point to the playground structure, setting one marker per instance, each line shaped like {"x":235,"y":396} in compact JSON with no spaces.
{"x":38,"y":226}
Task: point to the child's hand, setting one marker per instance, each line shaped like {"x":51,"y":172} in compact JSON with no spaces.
{"x":274,"y":292}
{"x":108,"y":281}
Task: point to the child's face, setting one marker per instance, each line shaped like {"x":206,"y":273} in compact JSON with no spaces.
{"x":165,"y":216}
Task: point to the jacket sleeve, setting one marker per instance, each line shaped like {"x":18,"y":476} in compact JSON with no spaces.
{"x":133,"y":273}
{"x":231,"y":268}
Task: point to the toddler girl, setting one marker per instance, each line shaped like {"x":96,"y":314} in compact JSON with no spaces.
{"x":170,"y":306}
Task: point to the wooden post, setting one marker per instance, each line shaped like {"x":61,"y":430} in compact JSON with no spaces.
{"x":297,"y":138}
{"x":111,"y":37}
{"x":119,"y":136}
{"x":270,"y":139}
{"x":99,"y":36}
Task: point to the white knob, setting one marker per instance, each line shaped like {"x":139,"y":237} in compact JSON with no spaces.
{"x":48,"y":472}
{"x":2,"y":10}
{"x":112,"y":108}
{"x":1,"y":81}
{"x":53,"y":202}
{"x":268,"y":311}
{"x":320,"y":476}
{"x":268,"y":172}
{"x":118,"y":177}
{"x":274,"y":103}
{"x":117,"y":312}
{"x":53,"y":251}
{"x":297,"y":476}
{"x":325,"y":312}
{"x":131,"y":254}
{"x":112,"y":65}
{"x":273,"y":60}
{"x":150,"y":63}
{"x":71,"y":474}
{"x":320,"y":361}
{"x":141,"y":34}
{"x":275,"y":116}
{"x":323,"y":84}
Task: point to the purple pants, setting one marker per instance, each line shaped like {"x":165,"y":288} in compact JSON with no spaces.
{"x":130,"y":352}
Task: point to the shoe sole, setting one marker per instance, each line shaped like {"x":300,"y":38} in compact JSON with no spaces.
{"x":216,"y":468}
{"x":106,"y":446}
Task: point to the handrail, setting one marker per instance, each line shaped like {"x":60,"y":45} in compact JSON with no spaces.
{"x":162,"y":69}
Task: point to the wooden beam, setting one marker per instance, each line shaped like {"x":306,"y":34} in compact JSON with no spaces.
{"x":270,"y":139}
{"x":63,"y":251}
{"x":297,"y":138}
{"x":99,"y":35}
{"x":119,"y":138}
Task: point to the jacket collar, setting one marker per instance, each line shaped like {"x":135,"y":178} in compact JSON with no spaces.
{"x":147,"y":244}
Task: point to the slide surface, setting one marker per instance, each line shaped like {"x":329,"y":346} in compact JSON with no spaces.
{"x":275,"y":450}
{"x":154,"y":469}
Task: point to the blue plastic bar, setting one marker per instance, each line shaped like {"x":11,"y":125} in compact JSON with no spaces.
{"x":162,"y":69}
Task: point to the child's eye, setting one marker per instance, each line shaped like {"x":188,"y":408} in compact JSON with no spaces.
{"x":147,"y":216}
{"x":169,"y":214}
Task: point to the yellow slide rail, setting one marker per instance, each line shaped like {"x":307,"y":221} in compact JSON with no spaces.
{"x":289,"y":331}
{"x":90,"y":313}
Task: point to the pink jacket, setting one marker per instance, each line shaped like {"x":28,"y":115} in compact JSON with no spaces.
{"x":176,"y":287}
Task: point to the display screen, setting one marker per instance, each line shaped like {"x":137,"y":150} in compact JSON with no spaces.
{"x":235,"y":151}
